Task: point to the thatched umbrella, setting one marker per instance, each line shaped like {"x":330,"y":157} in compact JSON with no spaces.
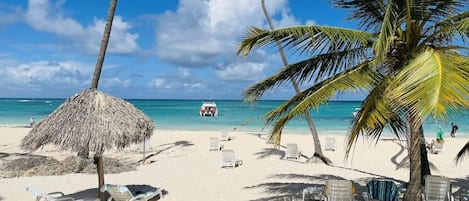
{"x":92,"y":120}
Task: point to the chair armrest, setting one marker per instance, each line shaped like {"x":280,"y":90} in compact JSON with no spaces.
{"x":65,"y":198}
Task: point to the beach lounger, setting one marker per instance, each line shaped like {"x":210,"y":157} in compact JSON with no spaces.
{"x":436,"y":148}
{"x":292,"y":151}
{"x":122,"y":193}
{"x":338,"y":190}
{"x":224,"y":136}
{"x":229,"y":159}
{"x":53,"y":196}
{"x":381,"y":189}
{"x":214,"y":144}
{"x":437,"y":188}
{"x":330,"y":144}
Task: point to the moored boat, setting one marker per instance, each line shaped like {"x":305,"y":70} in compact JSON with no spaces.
{"x":208,"y":109}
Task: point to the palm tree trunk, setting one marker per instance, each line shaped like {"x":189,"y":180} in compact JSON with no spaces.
{"x":317,"y":145}
{"x":414,"y":188}
{"x":424,"y":156}
{"x":104,"y":42}
{"x":94,"y":85}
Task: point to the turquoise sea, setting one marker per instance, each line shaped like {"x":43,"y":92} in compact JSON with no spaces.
{"x":334,"y":117}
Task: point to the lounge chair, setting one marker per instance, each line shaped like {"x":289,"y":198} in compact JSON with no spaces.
{"x":436,"y":148}
{"x":339,"y":190}
{"x":214,"y":144}
{"x":224,"y":136}
{"x":229,"y":159}
{"x":330,"y":144}
{"x":381,"y":189}
{"x":53,"y":196}
{"x":292,"y":151}
{"x":437,"y":188}
{"x":122,"y":193}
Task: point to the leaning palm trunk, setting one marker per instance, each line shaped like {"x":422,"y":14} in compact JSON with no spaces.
{"x":98,"y":157}
{"x":317,"y":145}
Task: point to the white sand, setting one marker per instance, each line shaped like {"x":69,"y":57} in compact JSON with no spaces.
{"x":182,"y":165}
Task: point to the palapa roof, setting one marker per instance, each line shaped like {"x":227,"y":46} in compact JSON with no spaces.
{"x":94,"y":119}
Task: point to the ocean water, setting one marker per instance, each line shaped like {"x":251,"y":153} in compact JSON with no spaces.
{"x":334,"y":117}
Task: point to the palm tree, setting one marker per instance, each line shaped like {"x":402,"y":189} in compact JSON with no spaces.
{"x":406,"y":59}
{"x":462,"y":153}
{"x":314,"y":133}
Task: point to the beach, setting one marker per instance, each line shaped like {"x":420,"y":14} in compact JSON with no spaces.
{"x":179,"y":161}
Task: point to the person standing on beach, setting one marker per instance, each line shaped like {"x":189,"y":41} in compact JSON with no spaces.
{"x":454,"y":128}
{"x":31,"y":122}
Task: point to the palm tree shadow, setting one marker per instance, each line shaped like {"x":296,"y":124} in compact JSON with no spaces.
{"x":287,"y":190}
{"x":167,"y":146}
{"x":404,"y":163}
{"x":266,"y":152}
{"x":462,"y":184}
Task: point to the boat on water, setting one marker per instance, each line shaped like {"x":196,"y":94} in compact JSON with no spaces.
{"x":208,"y":109}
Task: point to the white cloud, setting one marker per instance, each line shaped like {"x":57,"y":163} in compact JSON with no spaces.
{"x":10,"y":14}
{"x":46,"y":74}
{"x":114,"y":82}
{"x":41,"y":16}
{"x":182,"y":80}
{"x":241,"y":71}
{"x":203,"y":33}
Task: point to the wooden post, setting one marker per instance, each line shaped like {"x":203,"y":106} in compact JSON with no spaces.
{"x":98,"y":159}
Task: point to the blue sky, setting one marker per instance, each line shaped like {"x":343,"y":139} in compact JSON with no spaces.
{"x":165,"y":49}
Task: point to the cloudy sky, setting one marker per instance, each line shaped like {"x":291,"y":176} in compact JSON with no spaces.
{"x":164,"y":49}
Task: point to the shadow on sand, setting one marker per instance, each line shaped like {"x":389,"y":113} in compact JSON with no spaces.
{"x":290,"y":190}
{"x":92,"y":193}
{"x":166,"y":147}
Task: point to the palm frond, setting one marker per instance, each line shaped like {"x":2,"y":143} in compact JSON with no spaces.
{"x":462,"y":153}
{"x":309,"y":40}
{"x":375,"y":114}
{"x":354,"y":78}
{"x":312,"y":69}
{"x":434,"y":11}
{"x":434,"y":82}
{"x":387,"y":34}
{"x":368,"y":13}
{"x":448,"y":29}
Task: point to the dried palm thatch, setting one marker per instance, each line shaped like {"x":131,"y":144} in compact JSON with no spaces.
{"x":91,"y":119}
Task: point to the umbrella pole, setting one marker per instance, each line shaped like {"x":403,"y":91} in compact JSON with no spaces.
{"x":98,"y":158}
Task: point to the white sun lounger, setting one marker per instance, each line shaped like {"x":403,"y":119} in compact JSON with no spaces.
{"x":292,"y":151}
{"x":437,"y":188}
{"x":339,"y":190}
{"x":214,"y":144}
{"x":330,"y":144}
{"x":53,"y":196}
{"x":229,"y":159}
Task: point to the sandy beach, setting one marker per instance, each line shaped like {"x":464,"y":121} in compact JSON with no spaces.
{"x":180,"y":162}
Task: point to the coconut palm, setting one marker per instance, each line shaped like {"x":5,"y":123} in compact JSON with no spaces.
{"x":406,"y":59}
{"x":92,"y":120}
{"x":314,"y":133}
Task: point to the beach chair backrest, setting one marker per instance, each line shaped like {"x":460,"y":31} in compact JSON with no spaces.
{"x":118,"y":192}
{"x":437,"y":188}
{"x":330,"y":144}
{"x":382,"y":189}
{"x":292,"y":148}
{"x":339,"y":190}
{"x":214,"y":143}
{"x":224,"y":136}
{"x":228,"y":158}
